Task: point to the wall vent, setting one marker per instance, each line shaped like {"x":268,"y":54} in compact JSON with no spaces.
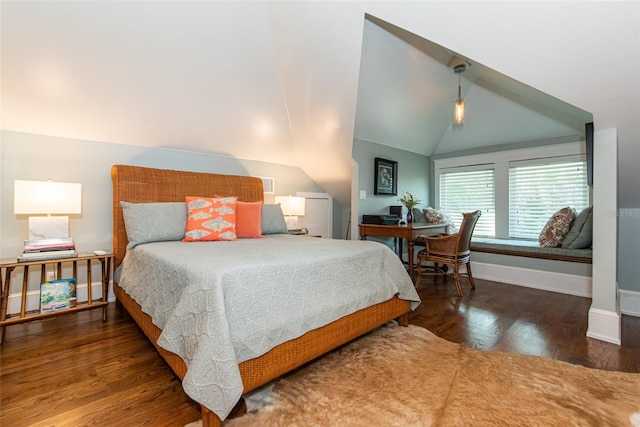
{"x":268,"y":184}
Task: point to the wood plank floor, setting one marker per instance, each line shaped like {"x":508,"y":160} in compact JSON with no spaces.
{"x":75,"y":370}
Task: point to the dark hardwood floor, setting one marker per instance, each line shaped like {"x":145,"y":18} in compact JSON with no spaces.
{"x":514,"y":319}
{"x":75,"y":370}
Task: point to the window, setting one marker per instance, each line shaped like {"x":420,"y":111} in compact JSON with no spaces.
{"x":516,"y":190}
{"x":538,"y":188}
{"x":467,"y":191}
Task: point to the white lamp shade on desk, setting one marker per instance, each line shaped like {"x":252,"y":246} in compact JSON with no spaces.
{"x":46,"y":198}
{"x":292,"y":207}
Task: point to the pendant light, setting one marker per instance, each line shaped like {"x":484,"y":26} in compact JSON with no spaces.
{"x":458,"y":104}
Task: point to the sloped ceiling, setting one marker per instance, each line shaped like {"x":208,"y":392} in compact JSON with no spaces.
{"x":289,"y":82}
{"x":194,"y":76}
{"x":406,"y":93}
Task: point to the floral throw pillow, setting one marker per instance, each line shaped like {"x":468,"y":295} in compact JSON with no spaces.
{"x":557,"y":228}
{"x":432,"y":215}
{"x":439,"y":216}
{"x":210,"y":219}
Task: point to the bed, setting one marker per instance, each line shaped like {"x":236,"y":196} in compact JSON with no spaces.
{"x":255,"y":358}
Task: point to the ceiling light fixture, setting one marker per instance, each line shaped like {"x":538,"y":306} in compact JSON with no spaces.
{"x":458,"y":104}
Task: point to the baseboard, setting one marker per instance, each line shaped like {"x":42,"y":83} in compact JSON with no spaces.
{"x":604,"y":325}
{"x":33,"y":297}
{"x":629,"y":302}
{"x":570,"y":284}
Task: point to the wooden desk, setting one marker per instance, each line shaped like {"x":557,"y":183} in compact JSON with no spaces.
{"x":408,"y":231}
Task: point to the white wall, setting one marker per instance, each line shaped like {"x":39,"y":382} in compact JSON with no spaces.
{"x":604,"y":314}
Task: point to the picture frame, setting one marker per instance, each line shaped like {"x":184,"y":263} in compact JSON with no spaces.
{"x":386,"y":177}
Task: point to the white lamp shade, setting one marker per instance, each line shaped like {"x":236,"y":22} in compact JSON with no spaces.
{"x":47,"y":197}
{"x":291,"y":205}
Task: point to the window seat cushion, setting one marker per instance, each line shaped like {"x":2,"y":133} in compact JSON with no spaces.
{"x":529,"y":248}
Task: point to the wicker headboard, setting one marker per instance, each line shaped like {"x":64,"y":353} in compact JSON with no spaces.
{"x":144,"y":185}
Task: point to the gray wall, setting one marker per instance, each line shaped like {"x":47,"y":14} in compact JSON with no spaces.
{"x":413,"y":176}
{"x":629,"y":249}
{"x":38,"y":157}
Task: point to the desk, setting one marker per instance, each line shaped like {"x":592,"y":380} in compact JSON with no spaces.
{"x":408,"y":231}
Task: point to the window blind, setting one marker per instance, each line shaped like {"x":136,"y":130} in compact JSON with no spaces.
{"x":536,"y":191}
{"x":467,"y":191}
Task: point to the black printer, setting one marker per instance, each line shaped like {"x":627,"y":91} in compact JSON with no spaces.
{"x":381,"y":219}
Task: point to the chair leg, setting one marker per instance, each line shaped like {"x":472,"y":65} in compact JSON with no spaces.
{"x":473,"y":285}
{"x":456,"y":278}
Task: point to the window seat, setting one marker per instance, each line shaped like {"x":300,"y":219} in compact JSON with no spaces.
{"x":528,"y":248}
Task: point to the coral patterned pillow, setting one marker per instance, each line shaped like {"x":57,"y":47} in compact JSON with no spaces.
{"x":210,"y":219}
{"x":557,"y":228}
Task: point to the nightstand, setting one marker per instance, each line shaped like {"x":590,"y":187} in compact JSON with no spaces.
{"x":10,"y":266}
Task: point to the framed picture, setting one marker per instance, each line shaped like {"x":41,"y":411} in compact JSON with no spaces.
{"x":386,"y":177}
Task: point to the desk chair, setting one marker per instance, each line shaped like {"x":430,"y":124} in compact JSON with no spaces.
{"x":451,"y":250}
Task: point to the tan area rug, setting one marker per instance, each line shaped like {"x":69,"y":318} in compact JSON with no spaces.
{"x":399,"y":376}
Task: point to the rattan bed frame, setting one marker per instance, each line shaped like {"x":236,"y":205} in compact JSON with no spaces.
{"x":143,"y":185}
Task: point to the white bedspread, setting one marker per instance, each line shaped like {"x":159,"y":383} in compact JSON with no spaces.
{"x":221,"y":303}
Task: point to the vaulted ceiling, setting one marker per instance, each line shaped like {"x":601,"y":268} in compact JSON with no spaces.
{"x":407,"y":87}
{"x":294,"y":82}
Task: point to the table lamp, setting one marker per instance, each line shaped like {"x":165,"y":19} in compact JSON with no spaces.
{"x":47,"y":198}
{"x":292,"y":207}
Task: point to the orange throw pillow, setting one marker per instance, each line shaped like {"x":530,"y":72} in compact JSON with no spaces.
{"x":210,"y":219}
{"x":249,"y":220}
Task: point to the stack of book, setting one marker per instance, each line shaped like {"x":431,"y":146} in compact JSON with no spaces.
{"x":36,"y":250}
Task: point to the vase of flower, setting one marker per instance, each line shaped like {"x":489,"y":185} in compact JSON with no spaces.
{"x":409,"y":216}
{"x":409,"y":201}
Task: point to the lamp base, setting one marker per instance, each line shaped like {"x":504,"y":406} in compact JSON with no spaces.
{"x":48,"y":227}
{"x":292,"y":222}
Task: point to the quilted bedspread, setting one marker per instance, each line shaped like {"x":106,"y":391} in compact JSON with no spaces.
{"x":221,"y":303}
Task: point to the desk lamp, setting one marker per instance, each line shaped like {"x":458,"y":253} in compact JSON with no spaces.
{"x":292,"y":207}
{"x":47,"y":198}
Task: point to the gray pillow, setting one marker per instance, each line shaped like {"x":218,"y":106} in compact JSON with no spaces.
{"x":579,"y":223}
{"x":154,"y":222}
{"x":418,"y":215}
{"x":273,"y":220}
{"x":585,"y":238}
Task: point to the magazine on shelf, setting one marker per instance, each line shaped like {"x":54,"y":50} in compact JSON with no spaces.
{"x":40,"y":256}
{"x":47,"y":245}
{"x":48,"y":241}
{"x":46,"y":253}
{"x":56,"y":295}
{"x":32,"y":249}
